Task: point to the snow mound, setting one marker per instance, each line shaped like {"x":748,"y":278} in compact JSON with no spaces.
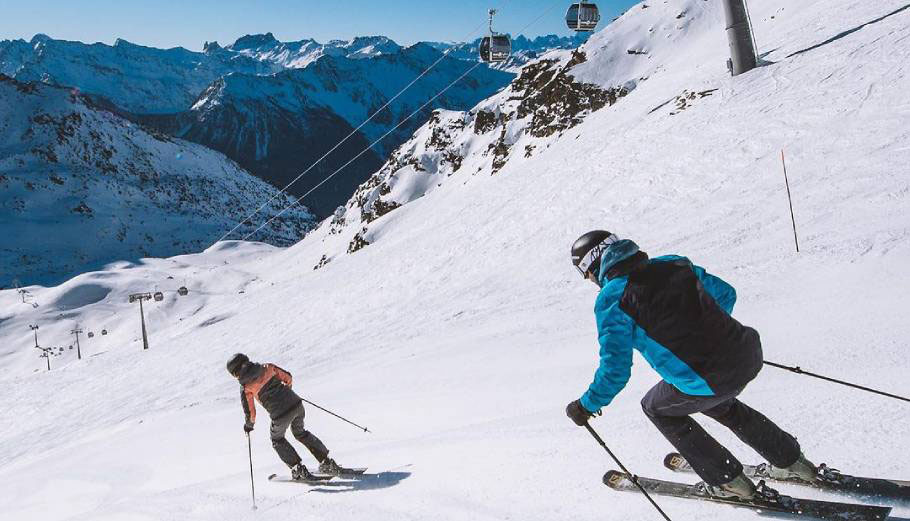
{"x":81,"y":296}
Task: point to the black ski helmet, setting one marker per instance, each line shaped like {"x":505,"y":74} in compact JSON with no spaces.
{"x":588,"y":248}
{"x":236,"y":363}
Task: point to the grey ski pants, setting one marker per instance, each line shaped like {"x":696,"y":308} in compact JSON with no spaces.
{"x":670,"y":411}
{"x":294,"y":420}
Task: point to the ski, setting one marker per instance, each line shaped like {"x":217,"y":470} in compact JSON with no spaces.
{"x":768,"y":500}
{"x":316,"y":479}
{"x":345,"y":473}
{"x":828,"y":479}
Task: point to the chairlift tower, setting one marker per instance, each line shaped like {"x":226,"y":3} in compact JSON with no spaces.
{"x":739,"y":33}
{"x":157,"y":296}
{"x":22,"y":292}
{"x":76,"y":332}
{"x":45,"y":352}
{"x":140,"y":297}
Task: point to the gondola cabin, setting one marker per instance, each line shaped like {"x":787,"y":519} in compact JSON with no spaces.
{"x":496,"y":48}
{"x":159,"y":296}
{"x":582,"y":17}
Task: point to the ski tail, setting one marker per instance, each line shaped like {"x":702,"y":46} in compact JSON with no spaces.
{"x":828,"y":479}
{"x":768,"y":501}
{"x":675,"y":462}
{"x":618,"y":480}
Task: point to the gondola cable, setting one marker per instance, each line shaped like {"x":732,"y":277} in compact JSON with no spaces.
{"x":370,"y":118}
{"x":365,"y":150}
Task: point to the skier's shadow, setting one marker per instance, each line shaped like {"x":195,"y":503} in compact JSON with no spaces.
{"x":362,"y":482}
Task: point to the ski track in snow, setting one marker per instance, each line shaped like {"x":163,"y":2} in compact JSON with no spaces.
{"x":460,"y":334}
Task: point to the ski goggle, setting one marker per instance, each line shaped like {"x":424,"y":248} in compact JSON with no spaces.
{"x":591,"y":257}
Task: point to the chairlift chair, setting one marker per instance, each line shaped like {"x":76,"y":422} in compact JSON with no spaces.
{"x":158,"y":296}
{"x":495,"y":48}
{"x":182,"y":291}
{"x":582,"y":17}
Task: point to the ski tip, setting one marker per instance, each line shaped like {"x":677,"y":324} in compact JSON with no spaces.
{"x":674,"y":461}
{"x":614,"y":478}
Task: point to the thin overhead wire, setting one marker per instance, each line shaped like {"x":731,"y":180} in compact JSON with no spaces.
{"x":364,"y":151}
{"x":396,"y":127}
{"x":370,"y":118}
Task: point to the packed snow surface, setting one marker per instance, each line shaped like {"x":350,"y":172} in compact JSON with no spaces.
{"x":461,"y":331}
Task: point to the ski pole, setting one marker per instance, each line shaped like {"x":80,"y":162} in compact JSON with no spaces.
{"x":337,"y":416}
{"x":249,"y":445}
{"x":799,"y":370}
{"x":633,"y":477}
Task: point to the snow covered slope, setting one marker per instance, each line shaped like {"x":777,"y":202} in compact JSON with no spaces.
{"x":80,"y":187}
{"x":461,"y":332}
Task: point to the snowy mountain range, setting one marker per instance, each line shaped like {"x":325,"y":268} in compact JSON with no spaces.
{"x":274,"y":107}
{"x":455,"y":326}
{"x":278,"y":125}
{"x":146,"y":80}
{"x":81,"y":187}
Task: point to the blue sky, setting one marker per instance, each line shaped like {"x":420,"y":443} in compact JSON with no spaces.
{"x":189,"y":23}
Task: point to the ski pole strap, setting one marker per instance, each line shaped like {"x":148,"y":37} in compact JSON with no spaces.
{"x":799,"y":370}
{"x":622,"y":467}
{"x":337,"y":416}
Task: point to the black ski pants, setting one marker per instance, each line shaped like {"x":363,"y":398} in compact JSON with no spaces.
{"x":670,"y":411}
{"x":294,"y":420}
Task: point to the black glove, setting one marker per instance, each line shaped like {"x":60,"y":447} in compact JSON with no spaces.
{"x":578,"y":414}
{"x":247,"y":427}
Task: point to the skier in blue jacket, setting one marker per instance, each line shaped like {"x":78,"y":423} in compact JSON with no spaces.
{"x":678,"y":317}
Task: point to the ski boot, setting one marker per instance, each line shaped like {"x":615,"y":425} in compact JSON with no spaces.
{"x":802,"y":470}
{"x":328,"y":466}
{"x":739,"y":487}
{"x":300,"y":473}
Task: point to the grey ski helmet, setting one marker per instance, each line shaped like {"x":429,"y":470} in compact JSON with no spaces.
{"x":235,"y":364}
{"x":588,"y":249}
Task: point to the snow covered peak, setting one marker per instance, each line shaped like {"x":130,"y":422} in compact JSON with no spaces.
{"x":369,"y":46}
{"x":253,"y":41}
{"x":211,"y":47}
{"x":39,"y":38}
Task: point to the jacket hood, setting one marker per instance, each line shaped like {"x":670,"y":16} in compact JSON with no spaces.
{"x":249,"y":372}
{"x":616,"y":253}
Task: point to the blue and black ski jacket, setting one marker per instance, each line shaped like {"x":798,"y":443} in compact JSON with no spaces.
{"x":678,"y":316}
